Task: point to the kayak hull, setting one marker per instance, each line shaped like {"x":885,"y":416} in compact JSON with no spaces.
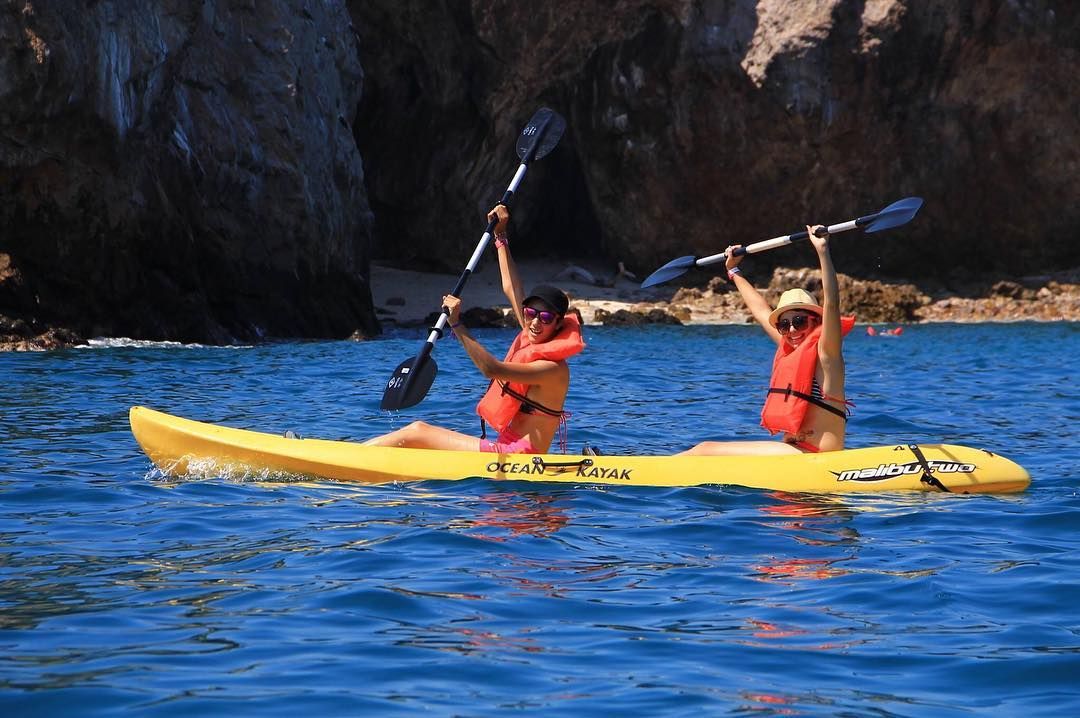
{"x":182,"y":447}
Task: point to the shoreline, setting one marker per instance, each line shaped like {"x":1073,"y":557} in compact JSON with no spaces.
{"x":406,"y":298}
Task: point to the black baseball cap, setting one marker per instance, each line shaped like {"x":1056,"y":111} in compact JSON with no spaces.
{"x":554,"y":298}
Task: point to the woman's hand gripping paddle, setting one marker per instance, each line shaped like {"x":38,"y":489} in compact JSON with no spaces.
{"x":410,"y":382}
{"x":896,"y":214}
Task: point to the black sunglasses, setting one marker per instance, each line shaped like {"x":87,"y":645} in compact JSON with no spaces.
{"x":546,"y":317}
{"x":798,"y":321}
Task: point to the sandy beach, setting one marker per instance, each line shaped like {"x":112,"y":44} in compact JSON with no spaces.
{"x":406,"y":298}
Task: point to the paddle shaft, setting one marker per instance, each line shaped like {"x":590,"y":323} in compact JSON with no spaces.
{"x":409,"y":383}
{"x":896,"y":214}
{"x":440,"y":323}
{"x":775,"y":242}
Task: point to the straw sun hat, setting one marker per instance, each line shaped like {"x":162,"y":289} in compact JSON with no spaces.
{"x":795,"y":299}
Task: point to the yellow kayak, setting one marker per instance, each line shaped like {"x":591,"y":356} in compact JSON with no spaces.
{"x":180,"y":447}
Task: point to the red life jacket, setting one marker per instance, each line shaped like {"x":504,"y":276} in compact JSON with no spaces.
{"x":791,"y":386}
{"x":499,"y":406}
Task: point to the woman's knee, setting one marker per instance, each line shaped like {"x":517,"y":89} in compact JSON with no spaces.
{"x":416,"y":429}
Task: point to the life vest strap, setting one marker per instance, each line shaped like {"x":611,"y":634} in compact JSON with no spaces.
{"x":842,"y":413}
{"x":556,"y":413}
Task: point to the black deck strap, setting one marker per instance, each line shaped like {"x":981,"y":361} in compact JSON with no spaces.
{"x":843,"y":414}
{"x":928,"y":475}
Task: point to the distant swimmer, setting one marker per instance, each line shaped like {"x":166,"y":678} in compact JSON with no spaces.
{"x":895,"y":332}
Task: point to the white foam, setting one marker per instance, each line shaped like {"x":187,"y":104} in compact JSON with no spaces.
{"x":125,"y":343}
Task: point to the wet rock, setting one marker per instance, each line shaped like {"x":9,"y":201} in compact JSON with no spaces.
{"x":17,"y":335}
{"x":480,"y":318}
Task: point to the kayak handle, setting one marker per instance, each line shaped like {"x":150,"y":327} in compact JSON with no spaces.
{"x":561,"y":467}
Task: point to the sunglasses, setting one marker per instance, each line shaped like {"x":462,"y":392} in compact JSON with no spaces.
{"x":546,"y":317}
{"x":799,"y":321}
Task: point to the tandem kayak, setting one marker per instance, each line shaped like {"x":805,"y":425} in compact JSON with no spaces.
{"x":180,"y":447}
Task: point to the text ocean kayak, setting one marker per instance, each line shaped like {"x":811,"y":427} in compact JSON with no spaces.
{"x":180,"y":446}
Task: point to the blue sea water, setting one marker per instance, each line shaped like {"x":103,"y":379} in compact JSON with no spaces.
{"x":123,"y":592}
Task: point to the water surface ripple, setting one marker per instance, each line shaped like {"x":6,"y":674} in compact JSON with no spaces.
{"x":124,"y":592}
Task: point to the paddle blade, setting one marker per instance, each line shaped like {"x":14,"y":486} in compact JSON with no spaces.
{"x":409,"y":385}
{"x":540,"y":136}
{"x":674,"y":268}
{"x":896,"y":214}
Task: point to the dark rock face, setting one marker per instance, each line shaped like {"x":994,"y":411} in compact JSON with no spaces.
{"x":175,"y":170}
{"x":192,"y":171}
{"x":697,"y":124}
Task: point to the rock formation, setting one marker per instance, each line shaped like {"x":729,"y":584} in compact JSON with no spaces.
{"x":694,"y":124}
{"x":223,"y":170}
{"x":175,"y":170}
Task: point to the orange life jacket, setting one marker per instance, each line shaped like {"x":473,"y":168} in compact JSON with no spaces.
{"x":499,"y":405}
{"x":791,"y":386}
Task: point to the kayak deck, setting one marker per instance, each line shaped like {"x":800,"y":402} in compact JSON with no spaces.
{"x":179,"y":447}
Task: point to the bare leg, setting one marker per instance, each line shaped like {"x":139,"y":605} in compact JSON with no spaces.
{"x":741,"y":448}
{"x":419,"y":435}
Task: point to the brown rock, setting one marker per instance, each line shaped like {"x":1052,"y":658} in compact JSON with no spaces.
{"x":868,"y":300}
{"x":683,"y":314}
{"x":626,"y":317}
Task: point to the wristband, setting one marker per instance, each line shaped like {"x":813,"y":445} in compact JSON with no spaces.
{"x":501,"y":240}
{"x":732,"y":272}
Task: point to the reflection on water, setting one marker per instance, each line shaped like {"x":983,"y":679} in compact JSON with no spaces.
{"x":459,"y":637}
{"x":519,"y":514}
{"x":798,"y":569}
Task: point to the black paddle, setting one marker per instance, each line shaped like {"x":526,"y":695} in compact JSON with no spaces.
{"x":896,"y":214}
{"x":410,"y":382}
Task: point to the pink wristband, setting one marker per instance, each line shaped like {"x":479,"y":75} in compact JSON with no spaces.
{"x":501,"y":240}
{"x":732,"y":272}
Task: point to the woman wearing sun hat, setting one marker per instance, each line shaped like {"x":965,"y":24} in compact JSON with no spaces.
{"x":805,"y":400}
{"x":524,"y":402}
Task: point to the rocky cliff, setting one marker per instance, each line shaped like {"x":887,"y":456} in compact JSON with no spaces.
{"x":694,"y":124}
{"x":176,"y":170}
{"x":223,"y":170}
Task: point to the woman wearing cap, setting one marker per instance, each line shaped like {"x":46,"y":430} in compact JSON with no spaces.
{"x":524,"y":402}
{"x":805,"y":400}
